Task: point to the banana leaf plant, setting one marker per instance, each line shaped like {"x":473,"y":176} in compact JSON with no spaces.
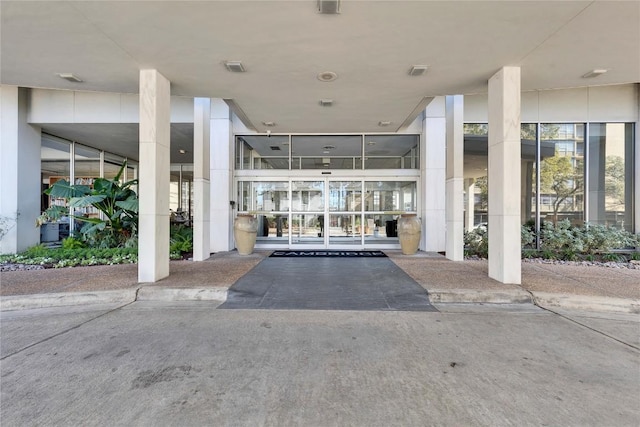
{"x":117,"y":201}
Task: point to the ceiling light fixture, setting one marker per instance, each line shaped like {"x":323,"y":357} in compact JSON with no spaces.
{"x":235,"y":66}
{"x":326,"y":102}
{"x":329,"y":7}
{"x":70,"y":77}
{"x":418,"y":70}
{"x":327,"y":76}
{"x":384,"y":123}
{"x":594,"y":73}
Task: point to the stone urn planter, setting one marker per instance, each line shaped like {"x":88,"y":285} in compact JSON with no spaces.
{"x":245,"y":230}
{"x":409,"y":231}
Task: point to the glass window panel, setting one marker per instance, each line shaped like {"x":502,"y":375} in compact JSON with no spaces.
{"x":262,"y":152}
{"x":87,"y":169}
{"x":55,"y":164}
{"x":476,"y":157}
{"x":345,"y":196}
{"x":273,"y":229}
{"x":561,"y":173}
{"x":307,"y":229}
{"x":390,"y":196}
{"x":307,"y":196}
{"x":326,"y":152}
{"x":270,"y":196}
{"x":345,"y":229}
{"x":112,"y":165}
{"x":380,"y":228}
{"x":392,"y":152}
{"x":528,"y":153}
{"x":611,"y":174}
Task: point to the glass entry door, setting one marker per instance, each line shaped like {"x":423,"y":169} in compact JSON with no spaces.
{"x":327,"y":213}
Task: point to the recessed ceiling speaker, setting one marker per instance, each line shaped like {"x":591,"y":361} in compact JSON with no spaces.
{"x":327,"y":76}
{"x":329,"y":7}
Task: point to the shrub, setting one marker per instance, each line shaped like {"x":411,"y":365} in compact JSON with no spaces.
{"x":181,"y":241}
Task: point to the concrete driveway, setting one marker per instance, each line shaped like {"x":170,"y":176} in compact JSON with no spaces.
{"x":189,"y":364}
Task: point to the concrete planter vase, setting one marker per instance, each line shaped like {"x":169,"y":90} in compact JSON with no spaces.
{"x":245,"y":230}
{"x":409,"y":231}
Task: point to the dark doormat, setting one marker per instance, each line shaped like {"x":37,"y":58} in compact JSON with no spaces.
{"x":327,"y":283}
{"x":326,"y":253}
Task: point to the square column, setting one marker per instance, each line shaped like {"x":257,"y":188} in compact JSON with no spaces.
{"x":504,"y":176}
{"x":455,"y":178}
{"x":19,"y":172}
{"x":433,"y":173}
{"x":153,"y":186}
{"x":201,"y":174}
{"x":221,"y":176}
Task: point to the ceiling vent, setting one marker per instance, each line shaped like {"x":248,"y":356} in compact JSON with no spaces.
{"x":234,"y":66}
{"x":418,"y":70}
{"x":594,"y":73}
{"x":70,"y":77}
{"x":384,"y":123}
{"x":326,"y":102}
{"x":329,"y":7}
{"x":269,"y":124}
{"x":274,"y":148}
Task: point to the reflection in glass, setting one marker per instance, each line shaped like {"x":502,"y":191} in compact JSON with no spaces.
{"x":392,"y":152}
{"x":307,"y":229}
{"x":345,"y":229}
{"x":390,"y":196}
{"x":271,"y":196}
{"x":562,"y":172}
{"x":262,"y":152}
{"x":380,"y":228}
{"x":326,"y":152}
{"x":87,"y":169}
{"x":528,"y":154}
{"x":345,"y":196}
{"x":273,"y":228}
{"x":610,"y":174}
{"x":307,"y":196}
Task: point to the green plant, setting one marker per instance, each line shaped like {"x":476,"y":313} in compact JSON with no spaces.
{"x":72,"y":243}
{"x":476,"y":242}
{"x":117,"y":202}
{"x":181,"y":241}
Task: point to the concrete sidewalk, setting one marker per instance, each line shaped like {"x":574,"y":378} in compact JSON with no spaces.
{"x":547,"y":285}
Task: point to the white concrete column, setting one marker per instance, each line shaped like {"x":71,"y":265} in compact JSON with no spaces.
{"x":636,"y":195}
{"x":221,"y":176}
{"x":433,"y":165}
{"x":20,"y":187}
{"x":469,"y":203}
{"x":455,"y":178}
{"x":201,"y":174}
{"x":504,"y":176}
{"x":153,"y":186}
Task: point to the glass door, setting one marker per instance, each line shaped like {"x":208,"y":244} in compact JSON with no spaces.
{"x":308,"y":213}
{"x":345,"y":213}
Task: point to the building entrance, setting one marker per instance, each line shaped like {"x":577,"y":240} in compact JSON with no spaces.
{"x":328,"y":213}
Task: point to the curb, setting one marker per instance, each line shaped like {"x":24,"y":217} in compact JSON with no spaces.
{"x":462,"y":296}
{"x":182,"y":294}
{"x":588,"y":303}
{"x":20,"y":302}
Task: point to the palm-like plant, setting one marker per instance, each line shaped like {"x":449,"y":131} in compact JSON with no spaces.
{"x":117,"y":201}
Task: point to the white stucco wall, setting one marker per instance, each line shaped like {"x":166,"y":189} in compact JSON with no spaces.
{"x":595,"y":104}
